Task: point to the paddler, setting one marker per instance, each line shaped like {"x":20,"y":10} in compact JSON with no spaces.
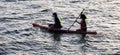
{"x":57,"y":21}
{"x":83,"y":23}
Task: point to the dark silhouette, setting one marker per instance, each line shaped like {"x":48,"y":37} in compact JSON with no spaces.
{"x":56,"y":37}
{"x":83,"y":25}
{"x":57,"y":23}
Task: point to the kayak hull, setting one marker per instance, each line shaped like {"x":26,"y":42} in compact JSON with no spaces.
{"x":62,"y":30}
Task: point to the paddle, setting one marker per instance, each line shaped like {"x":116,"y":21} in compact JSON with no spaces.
{"x":76,"y":19}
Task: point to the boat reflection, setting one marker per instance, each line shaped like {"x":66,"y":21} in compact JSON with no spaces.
{"x":57,"y":37}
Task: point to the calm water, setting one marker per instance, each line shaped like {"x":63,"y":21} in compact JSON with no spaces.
{"x":19,"y":37}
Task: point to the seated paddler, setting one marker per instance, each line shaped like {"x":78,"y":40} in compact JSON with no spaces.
{"x":57,"y":21}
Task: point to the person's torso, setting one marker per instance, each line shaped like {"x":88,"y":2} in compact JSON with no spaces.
{"x":83,"y":24}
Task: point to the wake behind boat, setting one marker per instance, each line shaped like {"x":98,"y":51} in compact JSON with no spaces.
{"x":62,"y":30}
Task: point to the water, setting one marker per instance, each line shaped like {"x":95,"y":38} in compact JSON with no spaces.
{"x":19,"y":37}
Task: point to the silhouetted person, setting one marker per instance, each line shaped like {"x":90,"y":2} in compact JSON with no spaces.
{"x":57,"y":22}
{"x":83,"y":25}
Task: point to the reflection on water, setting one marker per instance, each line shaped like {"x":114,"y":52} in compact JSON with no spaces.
{"x":57,"y":44}
{"x":82,"y":39}
{"x":56,"y":37}
{"x":59,"y":47}
{"x":16,"y":35}
{"x":84,"y":43}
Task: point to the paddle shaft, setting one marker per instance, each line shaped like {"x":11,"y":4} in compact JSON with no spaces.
{"x":76,"y":19}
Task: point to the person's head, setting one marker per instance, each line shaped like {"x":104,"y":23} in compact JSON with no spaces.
{"x":83,"y":16}
{"x":54,"y":14}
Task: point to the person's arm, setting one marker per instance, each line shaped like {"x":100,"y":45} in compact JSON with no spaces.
{"x":78,"y":22}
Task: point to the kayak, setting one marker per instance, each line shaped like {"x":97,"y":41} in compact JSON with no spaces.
{"x":62,"y":30}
